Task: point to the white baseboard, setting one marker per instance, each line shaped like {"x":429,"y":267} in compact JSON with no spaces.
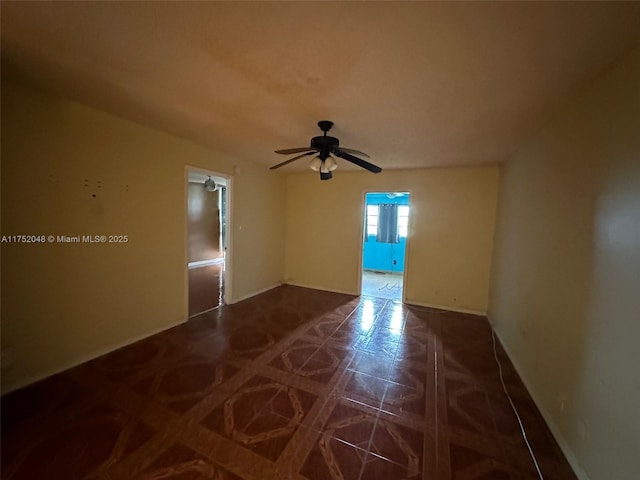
{"x":555,"y":430}
{"x":325,"y":289}
{"x":86,"y":358}
{"x":249,"y":295}
{"x":451,"y":308}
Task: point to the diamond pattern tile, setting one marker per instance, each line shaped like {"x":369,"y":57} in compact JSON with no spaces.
{"x":291,"y":384}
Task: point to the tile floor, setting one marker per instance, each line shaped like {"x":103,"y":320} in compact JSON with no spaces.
{"x":206,"y":289}
{"x":290,"y":384}
{"x":382,"y":284}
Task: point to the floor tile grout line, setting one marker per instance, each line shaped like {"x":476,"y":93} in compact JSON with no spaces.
{"x":295,"y":335}
{"x":165,"y":426}
{"x":157,"y":446}
{"x":442,"y":442}
{"x":174,"y":424}
{"x":331,"y":400}
{"x":259,"y":362}
{"x":265,"y":358}
{"x":368,"y":450}
{"x":375,"y":425}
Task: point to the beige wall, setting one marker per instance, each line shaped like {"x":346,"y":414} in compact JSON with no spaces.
{"x":64,"y":303}
{"x":565,"y":290}
{"x":450,"y":239}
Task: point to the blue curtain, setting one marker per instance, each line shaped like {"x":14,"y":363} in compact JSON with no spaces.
{"x":388,"y":223}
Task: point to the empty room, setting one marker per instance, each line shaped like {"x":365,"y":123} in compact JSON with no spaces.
{"x":320,"y":240}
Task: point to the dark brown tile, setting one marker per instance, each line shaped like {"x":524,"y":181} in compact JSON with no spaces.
{"x":350,"y":424}
{"x":293,"y":358}
{"x":325,"y":327}
{"x":365,"y":388}
{"x":377,"y":365}
{"x":206,"y":288}
{"x":133,"y":358}
{"x":468,"y":409}
{"x":415,"y":326}
{"x":291,"y":403}
{"x":412,"y":348}
{"x":403,"y":400}
{"x":469,"y":463}
{"x":86,"y":446}
{"x":324,"y":363}
{"x":378,"y":468}
{"x":250,"y":342}
{"x":180,"y":462}
{"x":286,"y":317}
{"x":290,"y":383}
{"x":268,"y":434}
{"x":261,"y":416}
{"x":408,"y":373}
{"x":44,"y":400}
{"x":349,"y":337}
{"x":478,"y":366}
{"x":238,"y":410}
{"x":401,"y":445}
{"x":392,"y":317}
{"x":182,"y":385}
{"x":382,"y":341}
{"x":331,"y":458}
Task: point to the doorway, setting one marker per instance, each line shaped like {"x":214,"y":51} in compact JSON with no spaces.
{"x":386,"y":226}
{"x":206,"y":240}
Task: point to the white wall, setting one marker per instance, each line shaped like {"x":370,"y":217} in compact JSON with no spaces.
{"x":565,"y":287}
{"x":65,"y":303}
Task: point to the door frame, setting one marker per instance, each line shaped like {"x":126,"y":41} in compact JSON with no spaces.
{"x":228,"y":258}
{"x":363,"y":218}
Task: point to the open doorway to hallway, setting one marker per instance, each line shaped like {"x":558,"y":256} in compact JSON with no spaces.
{"x":384,"y":244}
{"x":207,"y":252}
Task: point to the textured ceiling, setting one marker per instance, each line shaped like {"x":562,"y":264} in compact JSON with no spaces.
{"x":412,"y":84}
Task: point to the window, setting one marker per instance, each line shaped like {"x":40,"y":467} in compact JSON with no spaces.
{"x":373,"y":213}
{"x":403,"y":220}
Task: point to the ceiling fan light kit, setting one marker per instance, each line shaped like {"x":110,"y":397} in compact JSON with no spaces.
{"x":331,"y":163}
{"x":324,"y":146}
{"x":316,"y":163}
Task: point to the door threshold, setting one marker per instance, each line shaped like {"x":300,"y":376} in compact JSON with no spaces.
{"x":205,"y":263}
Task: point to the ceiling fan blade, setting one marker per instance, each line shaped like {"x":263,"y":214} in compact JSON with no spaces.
{"x":356,"y":152}
{"x":291,"y":160}
{"x":358,"y":161}
{"x":289,"y":151}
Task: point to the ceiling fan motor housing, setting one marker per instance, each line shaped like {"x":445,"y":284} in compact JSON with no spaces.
{"x":324,"y":146}
{"x":324,"y":142}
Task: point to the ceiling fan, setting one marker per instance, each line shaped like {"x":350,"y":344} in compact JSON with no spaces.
{"x":325,"y":146}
